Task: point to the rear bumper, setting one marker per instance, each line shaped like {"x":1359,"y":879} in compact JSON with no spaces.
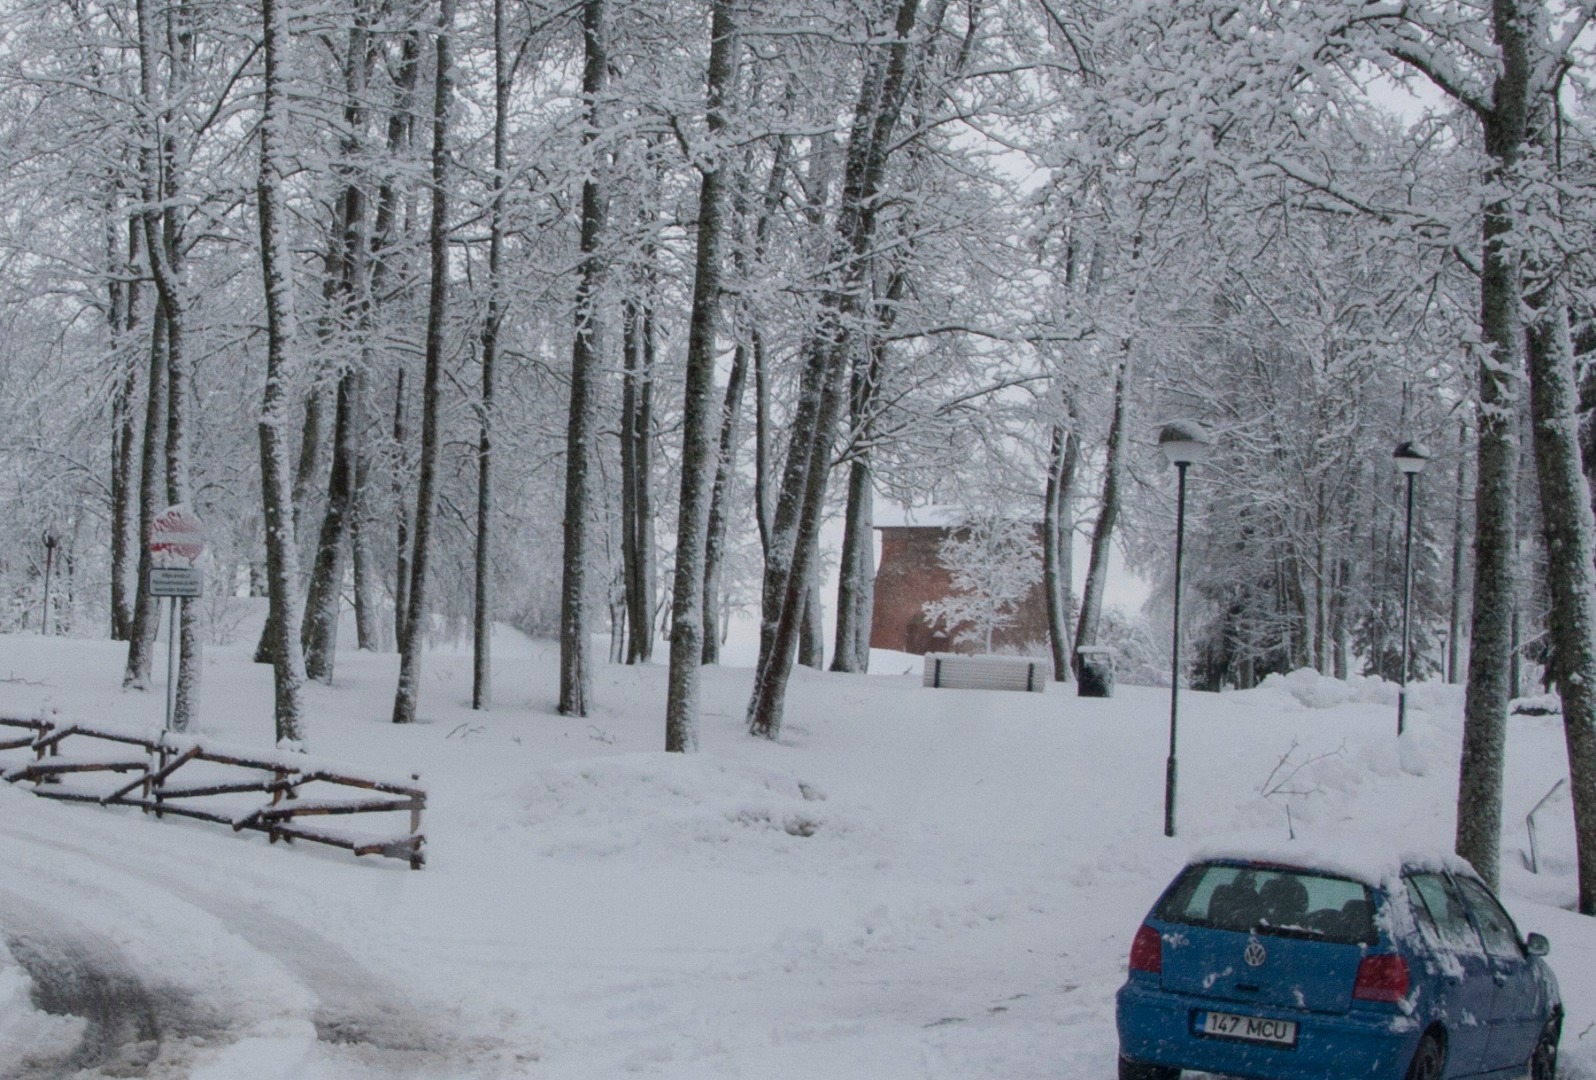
{"x":1156,"y":1027}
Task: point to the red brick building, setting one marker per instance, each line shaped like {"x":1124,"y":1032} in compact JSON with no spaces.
{"x":910,"y":574}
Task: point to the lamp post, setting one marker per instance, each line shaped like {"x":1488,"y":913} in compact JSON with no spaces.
{"x":50,"y":542}
{"x":1410,"y":458}
{"x":1183,"y":443}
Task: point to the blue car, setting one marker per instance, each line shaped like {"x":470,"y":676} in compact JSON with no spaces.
{"x":1280,"y":971}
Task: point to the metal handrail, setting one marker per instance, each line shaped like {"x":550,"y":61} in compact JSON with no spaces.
{"x":1529,"y":823}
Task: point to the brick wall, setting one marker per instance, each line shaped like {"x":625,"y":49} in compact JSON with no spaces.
{"x":910,"y":575}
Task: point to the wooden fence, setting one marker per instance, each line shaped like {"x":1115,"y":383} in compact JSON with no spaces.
{"x":172,"y":774}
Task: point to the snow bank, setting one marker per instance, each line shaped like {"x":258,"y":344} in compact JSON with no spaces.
{"x":685,"y":804}
{"x":1311,"y":690}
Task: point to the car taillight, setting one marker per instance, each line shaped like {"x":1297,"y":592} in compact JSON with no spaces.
{"x":1147,"y":951}
{"x":1381,"y":978}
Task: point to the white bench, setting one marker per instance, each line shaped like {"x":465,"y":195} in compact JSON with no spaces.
{"x":956,"y":671}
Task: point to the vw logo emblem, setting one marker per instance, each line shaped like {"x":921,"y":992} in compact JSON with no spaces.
{"x":1255,"y":954}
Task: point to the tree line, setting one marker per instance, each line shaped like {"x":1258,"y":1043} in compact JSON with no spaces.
{"x":588,"y":317}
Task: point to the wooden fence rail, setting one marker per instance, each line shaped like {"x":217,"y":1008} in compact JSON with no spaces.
{"x":212,"y":773}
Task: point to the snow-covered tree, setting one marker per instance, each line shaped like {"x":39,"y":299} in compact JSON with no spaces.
{"x":994,"y":563}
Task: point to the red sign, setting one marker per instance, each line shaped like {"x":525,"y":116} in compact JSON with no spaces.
{"x":176,"y":537}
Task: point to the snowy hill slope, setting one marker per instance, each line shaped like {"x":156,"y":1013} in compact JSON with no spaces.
{"x":912,"y":883}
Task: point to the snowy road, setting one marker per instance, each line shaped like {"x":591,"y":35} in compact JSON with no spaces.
{"x":910,"y":885}
{"x":126,"y":1023}
{"x":224,"y":988}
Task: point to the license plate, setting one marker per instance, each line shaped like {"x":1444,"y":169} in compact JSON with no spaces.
{"x":1248,"y":1028}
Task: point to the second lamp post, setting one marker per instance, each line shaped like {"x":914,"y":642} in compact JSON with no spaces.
{"x":1184,"y":443}
{"x":1410,"y":458}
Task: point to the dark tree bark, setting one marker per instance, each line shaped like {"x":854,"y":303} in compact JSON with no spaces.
{"x":719,"y":523}
{"x":122,"y":313}
{"x":811,"y":623}
{"x":856,"y":569}
{"x":792,"y":554}
{"x":482,"y":611}
{"x":146,"y":611}
{"x":856,"y":573}
{"x":1505,"y":125}
{"x":1058,"y":533}
{"x":162,"y":236}
{"x":1457,"y":592}
{"x":1108,"y":511}
{"x":347,"y":312}
{"x":576,"y":676}
{"x":367,"y":635}
{"x":637,"y":500}
{"x":699,"y":415}
{"x":1570,"y":530}
{"x":764,"y":511}
{"x":749,"y":353}
{"x":408,"y":690}
{"x":319,"y":634}
{"x":401,"y":468}
{"x":282,"y":553}
{"x":385,"y":236}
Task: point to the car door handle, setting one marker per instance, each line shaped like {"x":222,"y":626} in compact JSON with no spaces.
{"x":1499,"y":978}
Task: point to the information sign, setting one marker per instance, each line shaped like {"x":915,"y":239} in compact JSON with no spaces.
{"x":185,"y":581}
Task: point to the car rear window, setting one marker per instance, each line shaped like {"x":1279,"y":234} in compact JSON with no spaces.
{"x":1271,"y":900}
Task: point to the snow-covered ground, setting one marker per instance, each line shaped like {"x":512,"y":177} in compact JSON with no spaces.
{"x":912,"y":883}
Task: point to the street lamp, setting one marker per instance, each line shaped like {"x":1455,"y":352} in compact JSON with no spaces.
{"x":1410,"y":458}
{"x":1183,"y":443}
{"x":50,"y":542}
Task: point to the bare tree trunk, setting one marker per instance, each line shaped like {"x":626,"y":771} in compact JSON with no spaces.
{"x":146,"y":611}
{"x":386,"y":230}
{"x":856,"y":570}
{"x":1339,"y":628}
{"x":347,"y":310}
{"x":1571,"y":569}
{"x":791,"y":551}
{"x":637,"y":501}
{"x":764,"y":511}
{"x":123,"y":316}
{"x":282,"y":553}
{"x":482,"y":611}
{"x":367,"y":635}
{"x":401,"y":466}
{"x":811,"y":624}
{"x":1057,"y":540}
{"x":319,"y":634}
{"x":160,"y":184}
{"x":856,"y":574}
{"x":408,"y":690}
{"x":1479,"y":811}
{"x":748,"y":354}
{"x":699,"y":414}
{"x":1108,"y":511}
{"x":179,"y":489}
{"x":576,"y":677}
{"x":1454,"y":633}
{"x":715,"y":543}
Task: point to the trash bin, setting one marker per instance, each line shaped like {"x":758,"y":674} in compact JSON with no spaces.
{"x":1094,"y":671}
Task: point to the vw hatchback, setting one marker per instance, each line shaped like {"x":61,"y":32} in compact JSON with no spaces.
{"x":1282,"y":971}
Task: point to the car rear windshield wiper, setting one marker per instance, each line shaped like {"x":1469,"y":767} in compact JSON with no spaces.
{"x":1312,"y":933}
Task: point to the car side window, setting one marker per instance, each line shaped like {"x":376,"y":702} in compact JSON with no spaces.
{"x":1446,"y":911}
{"x":1501,"y":936}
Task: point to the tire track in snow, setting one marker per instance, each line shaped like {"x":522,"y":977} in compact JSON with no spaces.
{"x":357,"y":1015}
{"x":77,"y":971}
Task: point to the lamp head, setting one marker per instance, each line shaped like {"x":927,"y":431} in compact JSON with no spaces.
{"x":1411,"y":457}
{"x":1183,"y":442}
